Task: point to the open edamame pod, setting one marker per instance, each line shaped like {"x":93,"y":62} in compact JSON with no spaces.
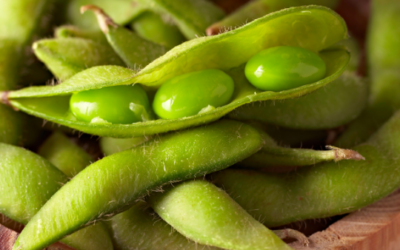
{"x":322,"y":190}
{"x":311,"y":25}
{"x":258,"y":8}
{"x":113,"y":183}
{"x":206,"y":214}
{"x":68,"y":56}
{"x":27,"y":182}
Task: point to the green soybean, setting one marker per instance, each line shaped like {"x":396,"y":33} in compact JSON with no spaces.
{"x":323,"y":190}
{"x":189,"y":94}
{"x":312,"y":24}
{"x":206,"y":214}
{"x":27,"y":182}
{"x":158,"y":29}
{"x":284,"y":67}
{"x":64,"y":154}
{"x":68,"y":56}
{"x":118,"y":104}
{"x":111,"y":184}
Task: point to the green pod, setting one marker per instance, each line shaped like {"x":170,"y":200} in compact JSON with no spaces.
{"x":135,"y":51}
{"x":191,"y":16}
{"x":70,"y":31}
{"x":111,"y":184}
{"x":64,"y":154}
{"x":383,"y":59}
{"x":258,"y":8}
{"x":21,"y":20}
{"x":323,"y":190}
{"x":111,"y":145}
{"x":68,"y":56}
{"x":312,"y":24}
{"x":206,"y":214}
{"x":158,"y":29}
{"x":27,"y":182}
{"x":138,"y":228}
{"x":329,"y":107}
{"x":122,"y":11}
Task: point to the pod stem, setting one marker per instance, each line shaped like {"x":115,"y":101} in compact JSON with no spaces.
{"x":104,"y":20}
{"x":290,"y":233}
{"x":345,"y":154}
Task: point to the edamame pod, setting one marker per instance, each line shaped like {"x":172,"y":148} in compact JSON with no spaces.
{"x":111,"y":184}
{"x":191,"y":16}
{"x":111,"y":145}
{"x":158,"y":29}
{"x":122,"y":11}
{"x":64,"y":154}
{"x":68,"y":56}
{"x":206,"y":214}
{"x":323,"y":190}
{"x":20,"y":21}
{"x":69,"y":31}
{"x":139,"y":228}
{"x":384,"y":67}
{"x":27,"y":182}
{"x":329,"y":107}
{"x":135,"y":51}
{"x":312,"y":24}
{"x":257,"y":9}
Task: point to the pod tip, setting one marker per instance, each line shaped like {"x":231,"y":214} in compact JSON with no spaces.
{"x":103,"y":19}
{"x":346,"y":154}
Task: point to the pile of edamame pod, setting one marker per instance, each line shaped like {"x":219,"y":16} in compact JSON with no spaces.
{"x":183,"y":124}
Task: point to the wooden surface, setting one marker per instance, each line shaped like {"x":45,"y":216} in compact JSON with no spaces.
{"x":376,"y":227}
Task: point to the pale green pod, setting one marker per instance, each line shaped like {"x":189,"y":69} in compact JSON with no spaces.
{"x":206,"y":214}
{"x":27,"y":182}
